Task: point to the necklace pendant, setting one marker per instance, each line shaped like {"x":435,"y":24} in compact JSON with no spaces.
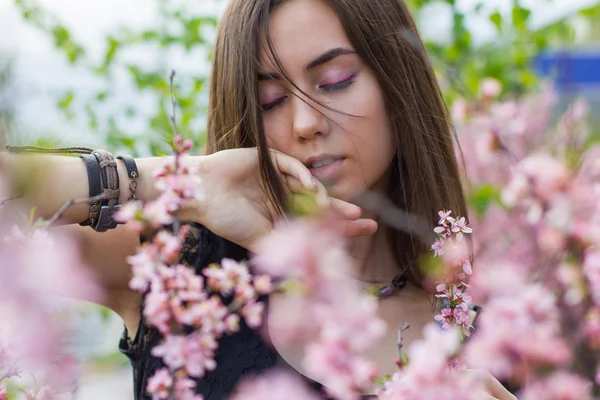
{"x":386,"y":291}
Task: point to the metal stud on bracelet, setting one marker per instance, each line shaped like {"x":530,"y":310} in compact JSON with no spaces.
{"x":132,"y":173}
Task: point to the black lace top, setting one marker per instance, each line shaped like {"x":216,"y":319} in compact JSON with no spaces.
{"x":240,"y":354}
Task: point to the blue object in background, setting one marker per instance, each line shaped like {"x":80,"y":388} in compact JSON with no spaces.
{"x":571,"y":69}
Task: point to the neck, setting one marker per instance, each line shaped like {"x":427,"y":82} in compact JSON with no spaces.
{"x":374,"y":259}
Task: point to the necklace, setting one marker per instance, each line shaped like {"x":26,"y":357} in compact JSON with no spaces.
{"x":398,"y":283}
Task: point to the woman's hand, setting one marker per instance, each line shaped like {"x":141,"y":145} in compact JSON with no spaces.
{"x":237,"y":207}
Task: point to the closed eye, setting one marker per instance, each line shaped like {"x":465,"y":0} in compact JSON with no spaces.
{"x":273,"y":104}
{"x":338,"y":85}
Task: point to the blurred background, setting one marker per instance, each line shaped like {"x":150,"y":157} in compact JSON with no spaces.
{"x":95,"y":73}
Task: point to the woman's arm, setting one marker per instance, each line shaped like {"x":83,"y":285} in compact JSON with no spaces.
{"x":52,"y":180}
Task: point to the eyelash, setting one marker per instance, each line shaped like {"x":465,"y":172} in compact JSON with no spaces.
{"x":326,"y":88}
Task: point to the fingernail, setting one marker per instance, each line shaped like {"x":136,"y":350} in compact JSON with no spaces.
{"x":329,"y":200}
{"x":361,"y":210}
{"x":314,"y":182}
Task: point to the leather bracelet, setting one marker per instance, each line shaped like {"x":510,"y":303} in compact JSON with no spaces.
{"x":95,"y":187}
{"x":132,"y":173}
{"x":110,"y":188}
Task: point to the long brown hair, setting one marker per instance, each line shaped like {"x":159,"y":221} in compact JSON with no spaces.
{"x":425,"y":175}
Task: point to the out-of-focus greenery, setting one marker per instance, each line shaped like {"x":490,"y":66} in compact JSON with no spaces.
{"x":180,"y":30}
{"x":6,"y":111}
{"x":461,"y":62}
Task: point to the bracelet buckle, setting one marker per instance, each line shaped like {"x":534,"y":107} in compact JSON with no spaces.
{"x":106,"y":220}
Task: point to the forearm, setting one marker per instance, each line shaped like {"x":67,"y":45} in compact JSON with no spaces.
{"x":49,"y":181}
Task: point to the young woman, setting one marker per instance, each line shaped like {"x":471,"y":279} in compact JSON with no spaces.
{"x":337,"y":90}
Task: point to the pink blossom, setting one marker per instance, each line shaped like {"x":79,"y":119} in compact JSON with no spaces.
{"x":43,"y":393}
{"x":34,"y":269}
{"x":184,"y":182}
{"x":547,"y":174}
{"x":145,"y":264}
{"x":160,"y":384}
{"x":194,"y":352}
{"x":253,"y":314}
{"x":459,"y":111}
{"x":159,"y":212}
{"x":427,"y":376}
{"x":459,"y":227}
{"x":131,"y":213}
{"x":330,"y":361}
{"x":559,"y":386}
{"x":490,"y":88}
{"x":275,"y":385}
{"x":444,"y":214}
{"x":3,"y":392}
{"x":591,"y":269}
{"x":263,"y":284}
{"x":438,"y":247}
{"x":169,"y":246}
{"x":225,"y":278}
{"x":156,"y":309}
{"x":531,"y":315}
{"x":185,"y":389}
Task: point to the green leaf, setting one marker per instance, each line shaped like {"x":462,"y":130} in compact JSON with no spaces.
{"x":496,"y":19}
{"x":66,"y":100}
{"x":520,"y":17}
{"x":484,"y":196}
{"x":113,"y":47}
{"x":64,"y":104}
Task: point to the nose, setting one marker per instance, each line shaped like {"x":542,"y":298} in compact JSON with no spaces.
{"x":309,"y":119}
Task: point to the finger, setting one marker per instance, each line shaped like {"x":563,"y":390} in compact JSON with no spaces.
{"x":346,"y":210}
{"x":360,"y":227}
{"x":293,"y":184}
{"x":291,"y":166}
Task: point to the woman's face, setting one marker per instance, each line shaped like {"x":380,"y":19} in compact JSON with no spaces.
{"x":349,"y":153}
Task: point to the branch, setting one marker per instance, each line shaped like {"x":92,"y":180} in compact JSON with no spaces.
{"x":58,"y":215}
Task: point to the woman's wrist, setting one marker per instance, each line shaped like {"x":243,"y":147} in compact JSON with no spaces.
{"x":191,"y":211}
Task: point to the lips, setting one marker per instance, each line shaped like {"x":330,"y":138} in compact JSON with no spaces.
{"x":323,"y":163}
{"x":325,"y":167}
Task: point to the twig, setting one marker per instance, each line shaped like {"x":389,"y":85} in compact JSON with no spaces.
{"x":70,"y":203}
{"x":173,"y":104}
{"x":11,"y":198}
{"x":173,"y":120}
{"x":9,"y":370}
{"x":400,"y":345}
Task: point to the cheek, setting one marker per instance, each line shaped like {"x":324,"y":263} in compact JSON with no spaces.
{"x":374,"y":141}
{"x":277,"y":136}
{"x":373,"y":127}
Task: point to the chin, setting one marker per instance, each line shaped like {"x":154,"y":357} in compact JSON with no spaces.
{"x":346,"y":191}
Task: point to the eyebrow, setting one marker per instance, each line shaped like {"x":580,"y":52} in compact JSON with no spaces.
{"x":322,"y":59}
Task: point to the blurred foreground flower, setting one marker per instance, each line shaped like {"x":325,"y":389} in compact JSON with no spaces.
{"x":35,"y":268}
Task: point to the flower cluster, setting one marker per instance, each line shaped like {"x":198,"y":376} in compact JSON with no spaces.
{"x":35,"y":267}
{"x":537,"y":221}
{"x":427,"y":375}
{"x":451,"y":246}
{"x":314,"y":263}
{"x":177,"y":300}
